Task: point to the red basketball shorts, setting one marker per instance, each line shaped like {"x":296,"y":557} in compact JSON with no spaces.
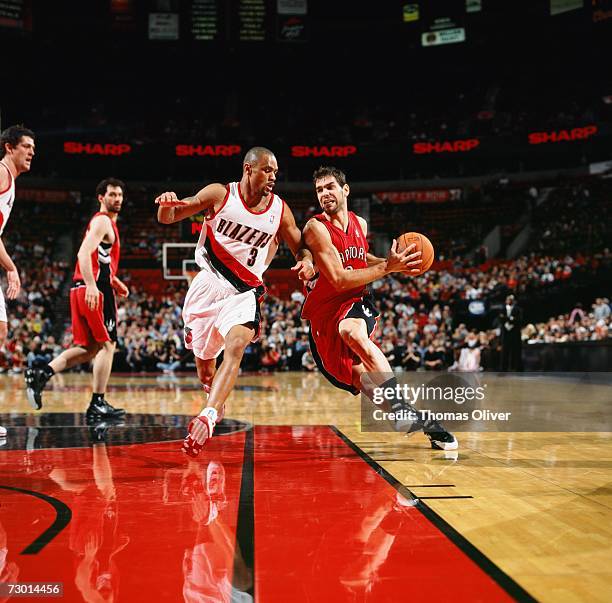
{"x":89,"y":326}
{"x":333,"y":357}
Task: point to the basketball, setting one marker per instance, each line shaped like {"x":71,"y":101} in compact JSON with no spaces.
{"x":423,"y":244}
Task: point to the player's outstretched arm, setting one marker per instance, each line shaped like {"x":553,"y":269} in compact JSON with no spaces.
{"x":172,"y":209}
{"x":291,"y":234}
{"x":326,"y":258}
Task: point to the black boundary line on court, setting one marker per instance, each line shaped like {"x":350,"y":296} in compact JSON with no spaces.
{"x":429,"y":485}
{"x":63,"y":515}
{"x":442,"y":497}
{"x":483,"y":562}
{"x":245,"y":527}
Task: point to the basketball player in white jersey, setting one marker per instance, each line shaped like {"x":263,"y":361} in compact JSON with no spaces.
{"x":239,"y":238}
{"x":16,"y":152}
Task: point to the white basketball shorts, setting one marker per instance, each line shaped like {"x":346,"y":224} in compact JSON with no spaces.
{"x":212,"y":307}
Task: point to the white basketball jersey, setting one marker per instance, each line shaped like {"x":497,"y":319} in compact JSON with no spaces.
{"x":238,"y":243}
{"x":7,"y":198}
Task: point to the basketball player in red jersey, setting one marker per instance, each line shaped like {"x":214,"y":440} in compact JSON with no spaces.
{"x":93,"y":306}
{"x":239,"y":238}
{"x":342,"y":318}
{"x":16,"y":152}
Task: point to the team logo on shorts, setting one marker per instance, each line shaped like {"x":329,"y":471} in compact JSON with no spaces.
{"x":188,"y":335}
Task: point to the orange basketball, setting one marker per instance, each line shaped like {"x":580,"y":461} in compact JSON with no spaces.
{"x":423,"y":244}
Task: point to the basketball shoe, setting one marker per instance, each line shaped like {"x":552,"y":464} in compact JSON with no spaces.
{"x":35,"y":380}
{"x":101,"y":409}
{"x":438,"y":436}
{"x":200,"y":430}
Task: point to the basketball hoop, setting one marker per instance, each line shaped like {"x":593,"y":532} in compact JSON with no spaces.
{"x":178,"y":261}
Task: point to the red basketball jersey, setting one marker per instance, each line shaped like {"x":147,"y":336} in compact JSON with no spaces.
{"x":321,"y":297}
{"x":105,"y":259}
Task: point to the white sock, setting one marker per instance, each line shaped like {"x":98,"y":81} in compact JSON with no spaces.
{"x":211,"y":413}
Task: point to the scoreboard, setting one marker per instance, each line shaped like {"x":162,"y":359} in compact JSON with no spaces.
{"x":252,"y":21}
{"x":230,"y":20}
{"x":206,"y":20}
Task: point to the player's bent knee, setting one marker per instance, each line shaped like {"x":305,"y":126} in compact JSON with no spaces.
{"x":346,"y":333}
{"x":95,"y":347}
{"x":352,"y":336}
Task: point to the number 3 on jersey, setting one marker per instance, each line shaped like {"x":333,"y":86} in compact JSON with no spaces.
{"x":252,"y":256}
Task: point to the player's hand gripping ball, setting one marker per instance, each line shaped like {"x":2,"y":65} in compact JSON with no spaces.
{"x":423,"y":244}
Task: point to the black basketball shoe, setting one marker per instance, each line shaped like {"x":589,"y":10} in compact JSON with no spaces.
{"x":438,"y":436}
{"x":35,"y":380}
{"x":101,"y":409}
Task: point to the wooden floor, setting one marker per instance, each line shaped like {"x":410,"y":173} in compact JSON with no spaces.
{"x":538,"y":505}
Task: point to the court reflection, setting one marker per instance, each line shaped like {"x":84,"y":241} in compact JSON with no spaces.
{"x":212,"y":565}
{"x":71,"y":430}
{"x":9,"y":570}
{"x":96,"y":536}
{"x":381,"y":523}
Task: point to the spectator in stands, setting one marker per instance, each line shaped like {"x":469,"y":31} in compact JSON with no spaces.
{"x":577,"y":315}
{"x":433,"y":359}
{"x":411,"y":360}
{"x":601,"y":308}
{"x":308,"y":362}
{"x":511,"y":323}
{"x":170,"y":359}
{"x":469,"y":356}
{"x":270,"y":359}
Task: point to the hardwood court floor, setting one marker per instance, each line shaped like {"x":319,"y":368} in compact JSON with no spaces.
{"x":293,"y":509}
